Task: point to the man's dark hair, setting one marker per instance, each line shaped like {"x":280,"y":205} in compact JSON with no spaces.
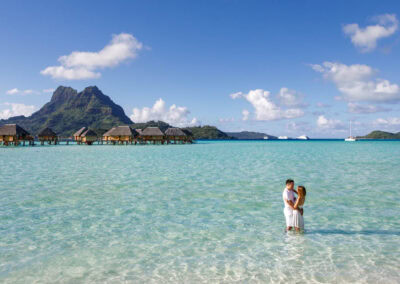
{"x":288,"y":181}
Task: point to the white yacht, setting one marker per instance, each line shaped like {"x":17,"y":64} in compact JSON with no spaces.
{"x":350,"y":138}
{"x":283,"y":137}
{"x":303,"y":137}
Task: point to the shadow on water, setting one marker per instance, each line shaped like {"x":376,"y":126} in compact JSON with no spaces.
{"x":361,"y":232}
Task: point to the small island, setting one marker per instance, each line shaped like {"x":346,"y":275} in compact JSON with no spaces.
{"x":377,"y":134}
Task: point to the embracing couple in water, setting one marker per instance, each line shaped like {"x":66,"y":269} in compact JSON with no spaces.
{"x":294,"y":206}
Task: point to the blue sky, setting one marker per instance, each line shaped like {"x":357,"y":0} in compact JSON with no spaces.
{"x":279,"y":67}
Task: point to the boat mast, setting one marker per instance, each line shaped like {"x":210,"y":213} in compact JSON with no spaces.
{"x":350,"y":128}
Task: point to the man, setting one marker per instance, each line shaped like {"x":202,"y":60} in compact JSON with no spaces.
{"x":289,"y":200}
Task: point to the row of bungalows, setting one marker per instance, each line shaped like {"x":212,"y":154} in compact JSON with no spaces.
{"x":152,"y":135}
{"x":13,"y":134}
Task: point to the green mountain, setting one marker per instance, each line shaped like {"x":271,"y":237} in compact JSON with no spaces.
{"x":250,"y":135}
{"x":377,"y":134}
{"x":69,"y":110}
{"x":208,"y":132}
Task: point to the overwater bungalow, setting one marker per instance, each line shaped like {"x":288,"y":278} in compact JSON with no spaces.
{"x":175,"y":135}
{"x":152,"y":134}
{"x":189,"y":135}
{"x":88,"y":137}
{"x":48,"y":135}
{"x":13,"y":134}
{"x":77,"y":135}
{"x":121,"y":135}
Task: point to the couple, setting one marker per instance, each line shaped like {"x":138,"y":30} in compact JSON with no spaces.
{"x":294,"y":207}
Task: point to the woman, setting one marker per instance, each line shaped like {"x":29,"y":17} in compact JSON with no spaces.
{"x":298,"y":220}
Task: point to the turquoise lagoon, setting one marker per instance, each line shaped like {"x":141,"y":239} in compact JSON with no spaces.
{"x":210,"y":212}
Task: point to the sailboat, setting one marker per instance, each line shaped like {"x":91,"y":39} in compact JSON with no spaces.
{"x":350,"y":138}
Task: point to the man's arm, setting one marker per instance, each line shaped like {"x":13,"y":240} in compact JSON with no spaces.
{"x":290,"y":203}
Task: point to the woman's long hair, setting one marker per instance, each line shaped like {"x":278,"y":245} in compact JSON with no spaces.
{"x":302,"y":192}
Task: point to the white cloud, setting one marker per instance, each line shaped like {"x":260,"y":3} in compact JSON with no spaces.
{"x":16,"y":91}
{"x":84,"y":65}
{"x":236,"y":95}
{"x":245,"y":114}
{"x":392,"y":121}
{"x":363,"y":109}
{"x":14,"y":109}
{"x":48,"y":90}
{"x":29,"y":92}
{"x":366,"y":38}
{"x":13,"y":91}
{"x":324,"y":123}
{"x":323,"y":105}
{"x":60,"y":72}
{"x":265,"y":108}
{"x":293,"y":126}
{"x":226,"y":120}
{"x":356,"y":82}
{"x":290,"y":98}
{"x":177,"y":116}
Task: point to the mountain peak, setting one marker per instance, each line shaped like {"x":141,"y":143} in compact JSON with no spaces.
{"x":91,"y":89}
{"x":69,"y":110}
{"x":63,"y":93}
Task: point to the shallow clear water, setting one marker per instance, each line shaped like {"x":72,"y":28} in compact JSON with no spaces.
{"x":210,"y":212}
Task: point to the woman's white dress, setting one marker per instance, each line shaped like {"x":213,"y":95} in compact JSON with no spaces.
{"x":298,"y":221}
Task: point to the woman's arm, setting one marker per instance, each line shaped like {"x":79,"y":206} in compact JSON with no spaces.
{"x":290,"y":203}
{"x":296,"y":205}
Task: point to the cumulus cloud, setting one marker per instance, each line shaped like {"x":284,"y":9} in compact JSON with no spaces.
{"x":13,"y":109}
{"x":387,"y":122}
{"x":366,"y":38}
{"x":324,"y":123}
{"x":264,"y":107}
{"x":357,"y":83}
{"x":290,"y":98}
{"x":61,"y":72}
{"x":293,"y":126}
{"x":364,"y":109}
{"x":236,"y":95}
{"x":85,"y":65}
{"x":174,"y":115}
{"x":245,"y":114}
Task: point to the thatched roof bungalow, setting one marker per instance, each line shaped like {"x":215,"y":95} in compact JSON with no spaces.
{"x":121,"y":134}
{"x":88,"y":137}
{"x":48,"y":135}
{"x":77,"y":135}
{"x":152,"y":134}
{"x":175,"y":134}
{"x":13,"y":134}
